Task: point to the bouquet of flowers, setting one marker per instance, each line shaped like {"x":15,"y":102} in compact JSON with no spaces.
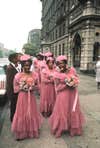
{"x":72,"y":81}
{"x":26,"y":84}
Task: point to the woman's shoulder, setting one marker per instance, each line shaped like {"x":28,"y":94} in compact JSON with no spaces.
{"x":72,"y":69}
{"x":58,"y":75}
{"x":18,"y":75}
{"x":35,"y":74}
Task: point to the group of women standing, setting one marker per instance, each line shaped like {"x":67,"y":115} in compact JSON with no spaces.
{"x":59,"y":99}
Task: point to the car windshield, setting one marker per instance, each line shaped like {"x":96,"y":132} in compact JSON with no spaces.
{"x":2,"y":72}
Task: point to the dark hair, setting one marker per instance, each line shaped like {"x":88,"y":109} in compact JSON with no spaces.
{"x":23,"y":62}
{"x":12,"y":56}
{"x":40,"y":57}
{"x":47,"y":61}
{"x":65,"y":62}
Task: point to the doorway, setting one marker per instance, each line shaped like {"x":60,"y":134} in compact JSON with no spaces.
{"x":96,"y":51}
{"x":76,"y":50}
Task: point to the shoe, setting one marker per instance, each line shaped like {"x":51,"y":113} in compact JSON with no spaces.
{"x":19,"y":139}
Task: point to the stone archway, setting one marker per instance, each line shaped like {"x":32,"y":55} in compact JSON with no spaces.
{"x":76,"y":50}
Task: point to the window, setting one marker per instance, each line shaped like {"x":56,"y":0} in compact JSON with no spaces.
{"x":63,"y":48}
{"x":60,"y":31}
{"x":56,"y":34}
{"x":55,"y":50}
{"x":59,"y":49}
{"x":98,"y":2}
{"x":64,"y":29}
{"x":96,"y":50}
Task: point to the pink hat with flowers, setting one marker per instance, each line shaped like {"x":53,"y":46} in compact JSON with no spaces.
{"x":25,"y":57}
{"x":50,"y":59}
{"x":47,"y":54}
{"x":61,"y":58}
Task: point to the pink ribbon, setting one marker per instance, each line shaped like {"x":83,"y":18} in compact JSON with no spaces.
{"x":75,"y":101}
{"x":29,"y":99}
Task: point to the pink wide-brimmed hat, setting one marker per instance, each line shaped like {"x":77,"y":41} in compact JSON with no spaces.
{"x":25,"y":57}
{"x":50,"y":59}
{"x":48,"y":54}
{"x":61,"y":58}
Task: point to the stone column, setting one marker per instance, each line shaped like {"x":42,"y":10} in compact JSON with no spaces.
{"x":88,"y":8}
{"x":88,"y":37}
{"x":69,"y":51}
{"x":66,"y":46}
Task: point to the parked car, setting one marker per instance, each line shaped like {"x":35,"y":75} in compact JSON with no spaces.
{"x":3,"y":96}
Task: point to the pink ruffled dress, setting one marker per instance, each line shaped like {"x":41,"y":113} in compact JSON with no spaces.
{"x":27,"y":120}
{"x":67,"y":115}
{"x":48,"y":95}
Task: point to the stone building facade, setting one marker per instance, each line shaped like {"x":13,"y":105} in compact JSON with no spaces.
{"x":72,"y":27}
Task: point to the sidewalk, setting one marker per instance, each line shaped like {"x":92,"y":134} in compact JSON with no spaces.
{"x":46,"y":140}
{"x":2,"y":116}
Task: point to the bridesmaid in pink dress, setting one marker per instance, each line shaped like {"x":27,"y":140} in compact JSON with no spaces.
{"x":39,"y":64}
{"x":67,"y":115}
{"x":48,"y":54}
{"x":27,"y":120}
{"x":47,"y":96}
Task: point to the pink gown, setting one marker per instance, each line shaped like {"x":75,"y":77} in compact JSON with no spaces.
{"x":27,"y":120}
{"x":48,"y":95}
{"x":63,"y":117}
{"x":39,"y":65}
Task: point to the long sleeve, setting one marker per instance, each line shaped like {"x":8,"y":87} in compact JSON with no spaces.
{"x":16,"y":84}
{"x":74,"y":74}
{"x":46,"y":77}
{"x":60,"y":84}
{"x":11,"y":71}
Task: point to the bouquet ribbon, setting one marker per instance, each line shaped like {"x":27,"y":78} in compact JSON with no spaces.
{"x":29,"y":102}
{"x":75,"y":101}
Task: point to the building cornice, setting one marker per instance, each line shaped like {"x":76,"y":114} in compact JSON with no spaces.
{"x":84,"y":18}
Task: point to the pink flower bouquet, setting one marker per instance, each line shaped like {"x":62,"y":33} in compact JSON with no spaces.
{"x":72,"y":81}
{"x":26,"y":84}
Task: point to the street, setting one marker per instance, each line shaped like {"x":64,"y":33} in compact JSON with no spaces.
{"x":90,"y":103}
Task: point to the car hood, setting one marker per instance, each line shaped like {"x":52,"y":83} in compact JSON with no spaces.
{"x":2,"y":89}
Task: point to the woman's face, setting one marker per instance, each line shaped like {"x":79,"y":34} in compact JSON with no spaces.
{"x":27,"y":67}
{"x":50,"y":64}
{"x":62,"y":66}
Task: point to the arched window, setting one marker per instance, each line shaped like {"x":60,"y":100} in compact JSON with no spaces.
{"x":96,"y":51}
{"x":76,"y":50}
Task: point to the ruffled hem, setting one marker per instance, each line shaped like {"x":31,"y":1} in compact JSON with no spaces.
{"x":72,"y":124}
{"x":76,"y":131}
{"x":58,"y":125}
{"x":46,"y":109}
{"x":26,"y":127}
{"x":23,"y":135}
